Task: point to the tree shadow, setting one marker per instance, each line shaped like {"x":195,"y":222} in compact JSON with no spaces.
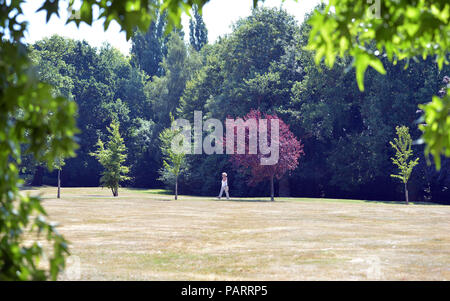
{"x":245,"y":200}
{"x":29,"y":188}
{"x":151,"y":191}
{"x":403,"y":203}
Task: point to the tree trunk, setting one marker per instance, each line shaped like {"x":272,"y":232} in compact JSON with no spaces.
{"x":176,"y":188}
{"x":406,"y":194}
{"x":115,"y":191}
{"x":59,"y":184}
{"x":271,"y":189}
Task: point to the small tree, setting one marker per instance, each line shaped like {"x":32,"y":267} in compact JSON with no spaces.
{"x":174,"y":163}
{"x":112,"y":159}
{"x":58,"y":164}
{"x":402,"y":146}
{"x":290,"y":150}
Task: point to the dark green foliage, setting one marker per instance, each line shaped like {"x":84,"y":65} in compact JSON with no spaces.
{"x":165,"y":91}
{"x":399,"y":30}
{"x":236,"y":75}
{"x":150,"y":47}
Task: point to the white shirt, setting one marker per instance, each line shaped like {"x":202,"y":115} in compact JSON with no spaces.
{"x":224,"y":183}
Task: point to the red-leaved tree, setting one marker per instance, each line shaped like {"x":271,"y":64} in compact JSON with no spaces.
{"x":290,"y":150}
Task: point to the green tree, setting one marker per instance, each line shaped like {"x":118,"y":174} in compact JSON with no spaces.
{"x":165,"y":92}
{"x":112,"y":158}
{"x":203,"y":85}
{"x":198,"y":34}
{"x":236,"y":77}
{"x":402,"y":147}
{"x":174,"y":159}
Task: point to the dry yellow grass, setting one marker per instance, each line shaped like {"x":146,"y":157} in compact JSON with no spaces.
{"x":143,"y":236}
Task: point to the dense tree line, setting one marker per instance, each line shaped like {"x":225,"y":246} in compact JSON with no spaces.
{"x":261,"y":65}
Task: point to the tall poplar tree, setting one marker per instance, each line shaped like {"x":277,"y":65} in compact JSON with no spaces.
{"x":150,"y":47}
{"x":198,"y":34}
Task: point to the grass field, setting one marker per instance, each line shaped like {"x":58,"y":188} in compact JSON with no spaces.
{"x":145,"y":235}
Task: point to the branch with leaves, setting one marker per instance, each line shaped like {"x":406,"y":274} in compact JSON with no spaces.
{"x":29,"y":114}
{"x":436,"y":128}
{"x":399,"y":30}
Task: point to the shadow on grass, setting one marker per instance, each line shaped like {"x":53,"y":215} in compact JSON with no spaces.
{"x":169,"y":195}
{"x":356,"y":201}
{"x":401,"y":202}
{"x":30,"y":187}
{"x":245,"y":200}
{"x":151,"y":191}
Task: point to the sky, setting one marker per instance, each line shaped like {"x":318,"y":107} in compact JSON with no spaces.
{"x":218,"y":15}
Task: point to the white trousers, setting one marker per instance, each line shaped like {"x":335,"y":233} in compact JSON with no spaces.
{"x":222,"y":189}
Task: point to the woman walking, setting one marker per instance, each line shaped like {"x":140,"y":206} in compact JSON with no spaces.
{"x":224,"y":186}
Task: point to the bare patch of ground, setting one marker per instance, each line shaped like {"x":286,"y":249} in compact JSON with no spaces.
{"x":143,"y":235}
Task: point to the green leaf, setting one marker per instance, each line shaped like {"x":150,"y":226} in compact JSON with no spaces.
{"x":51,"y":7}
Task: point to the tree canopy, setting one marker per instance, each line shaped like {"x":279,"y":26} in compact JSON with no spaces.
{"x":289,"y":150}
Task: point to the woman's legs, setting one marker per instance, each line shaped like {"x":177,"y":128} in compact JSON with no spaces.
{"x":221,"y":192}
{"x":226,"y":192}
